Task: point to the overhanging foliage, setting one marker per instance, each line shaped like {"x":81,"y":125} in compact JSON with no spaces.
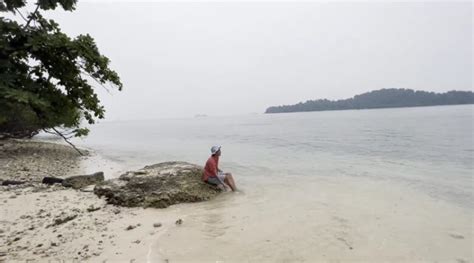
{"x":46,"y":76}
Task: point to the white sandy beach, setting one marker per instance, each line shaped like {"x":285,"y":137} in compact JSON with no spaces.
{"x":96,"y":231}
{"x":95,"y":236}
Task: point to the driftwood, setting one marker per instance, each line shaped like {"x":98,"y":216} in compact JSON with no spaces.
{"x":12,"y":182}
{"x":61,"y":220}
{"x":52,"y":180}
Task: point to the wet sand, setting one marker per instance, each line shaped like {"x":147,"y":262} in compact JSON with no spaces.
{"x":322,"y":220}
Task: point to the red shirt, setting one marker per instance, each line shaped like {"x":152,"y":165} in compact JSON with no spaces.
{"x":210,"y":170}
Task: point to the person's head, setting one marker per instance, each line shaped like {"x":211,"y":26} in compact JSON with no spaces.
{"x":216,"y":151}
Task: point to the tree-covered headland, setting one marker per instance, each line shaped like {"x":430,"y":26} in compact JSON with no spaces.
{"x":384,"y":98}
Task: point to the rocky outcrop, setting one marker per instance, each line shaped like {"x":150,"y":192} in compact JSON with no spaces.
{"x":81,"y":181}
{"x":159,"y":185}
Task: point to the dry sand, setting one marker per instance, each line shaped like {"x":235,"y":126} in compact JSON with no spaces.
{"x":55,"y":223}
{"x":43,"y":223}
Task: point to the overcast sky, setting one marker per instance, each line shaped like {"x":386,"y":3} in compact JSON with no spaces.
{"x":223,"y":58}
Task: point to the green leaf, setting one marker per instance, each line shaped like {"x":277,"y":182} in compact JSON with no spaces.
{"x":45,"y":74}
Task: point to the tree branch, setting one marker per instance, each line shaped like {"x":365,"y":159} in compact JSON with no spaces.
{"x":32,"y":16}
{"x":21,"y":14}
{"x":83,"y":71}
{"x":54,"y":133}
{"x":65,"y":139}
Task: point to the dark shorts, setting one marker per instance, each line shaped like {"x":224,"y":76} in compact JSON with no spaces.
{"x":214,"y":181}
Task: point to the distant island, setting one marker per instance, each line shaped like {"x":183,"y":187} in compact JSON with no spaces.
{"x":384,"y":98}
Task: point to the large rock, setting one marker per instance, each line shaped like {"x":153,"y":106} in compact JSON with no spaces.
{"x":159,"y":185}
{"x":81,"y":181}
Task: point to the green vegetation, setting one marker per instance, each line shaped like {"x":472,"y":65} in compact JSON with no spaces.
{"x":46,"y":76}
{"x":384,"y":98}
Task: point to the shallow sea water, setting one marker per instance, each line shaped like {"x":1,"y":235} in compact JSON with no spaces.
{"x":359,"y":185}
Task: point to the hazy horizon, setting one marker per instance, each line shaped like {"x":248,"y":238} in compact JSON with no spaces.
{"x":179,"y":59}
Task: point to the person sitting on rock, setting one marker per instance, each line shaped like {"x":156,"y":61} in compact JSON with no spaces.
{"x":213,"y":175}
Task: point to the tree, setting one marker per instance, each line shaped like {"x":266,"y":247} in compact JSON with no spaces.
{"x":47,"y":77}
{"x":384,"y":98}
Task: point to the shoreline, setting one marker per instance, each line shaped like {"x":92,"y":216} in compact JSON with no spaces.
{"x":348,"y":219}
{"x":41,"y":222}
{"x":31,"y":160}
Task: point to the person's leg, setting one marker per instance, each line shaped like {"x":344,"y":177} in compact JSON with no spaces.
{"x":226,"y":180}
{"x":230,"y":181}
{"x":222,"y":180}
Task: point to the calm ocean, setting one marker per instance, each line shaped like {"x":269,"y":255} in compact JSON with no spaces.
{"x":367,"y":185}
{"x":427,"y":148}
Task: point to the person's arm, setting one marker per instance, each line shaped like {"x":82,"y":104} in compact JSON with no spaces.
{"x":214,"y":169}
{"x":217,"y":166}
